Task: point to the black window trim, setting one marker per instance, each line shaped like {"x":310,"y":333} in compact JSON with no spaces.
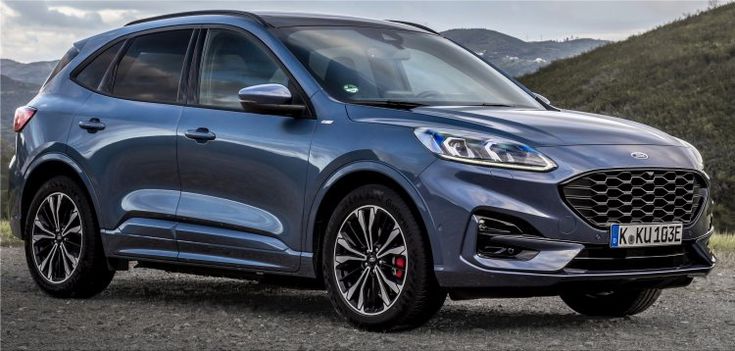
{"x":105,"y":83}
{"x":190,"y":74}
{"x":183,"y":90}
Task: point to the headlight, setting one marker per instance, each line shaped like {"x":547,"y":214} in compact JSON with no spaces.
{"x":694,"y":152}
{"x":475,"y":148}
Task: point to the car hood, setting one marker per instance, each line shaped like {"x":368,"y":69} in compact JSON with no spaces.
{"x":547,"y":128}
{"x":533,"y":127}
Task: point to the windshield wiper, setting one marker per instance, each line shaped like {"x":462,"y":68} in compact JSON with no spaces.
{"x":493,"y":105}
{"x":390,"y":103}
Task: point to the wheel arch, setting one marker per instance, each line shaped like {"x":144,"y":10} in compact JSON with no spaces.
{"x":350,"y":177}
{"x":45,"y":168}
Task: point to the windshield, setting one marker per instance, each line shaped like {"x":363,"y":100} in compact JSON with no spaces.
{"x":397,"y":67}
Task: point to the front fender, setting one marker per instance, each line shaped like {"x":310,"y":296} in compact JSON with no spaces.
{"x":377,"y":167}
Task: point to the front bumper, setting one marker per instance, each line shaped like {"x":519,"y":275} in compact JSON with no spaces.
{"x":561,"y":266}
{"x":456,"y":193}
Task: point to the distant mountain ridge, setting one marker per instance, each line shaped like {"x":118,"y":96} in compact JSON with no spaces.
{"x":515,"y":56}
{"x":34,"y":72}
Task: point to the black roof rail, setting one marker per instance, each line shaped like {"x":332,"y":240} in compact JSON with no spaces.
{"x":198,"y":13}
{"x":419,"y":26}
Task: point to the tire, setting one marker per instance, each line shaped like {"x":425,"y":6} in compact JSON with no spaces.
{"x":66,"y":260}
{"x":403,"y":262}
{"x":617,"y":303}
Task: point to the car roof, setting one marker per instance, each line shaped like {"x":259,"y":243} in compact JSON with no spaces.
{"x":293,"y":19}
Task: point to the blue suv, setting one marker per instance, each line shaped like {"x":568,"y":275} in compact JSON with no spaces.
{"x":377,"y":157}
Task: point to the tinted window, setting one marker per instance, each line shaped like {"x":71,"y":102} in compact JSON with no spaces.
{"x":151,"y":67}
{"x":231,"y":62}
{"x":70,"y":55}
{"x":91,"y":76}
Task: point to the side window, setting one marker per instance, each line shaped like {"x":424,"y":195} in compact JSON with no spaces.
{"x":91,"y":75}
{"x":151,"y":67}
{"x":230,"y":62}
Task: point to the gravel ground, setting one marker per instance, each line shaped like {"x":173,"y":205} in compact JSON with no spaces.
{"x":148,"y":309}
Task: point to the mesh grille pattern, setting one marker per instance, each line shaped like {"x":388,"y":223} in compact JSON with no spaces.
{"x":635,"y":196}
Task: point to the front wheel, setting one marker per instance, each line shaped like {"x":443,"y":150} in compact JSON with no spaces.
{"x":616,"y":303}
{"x":376,"y":263}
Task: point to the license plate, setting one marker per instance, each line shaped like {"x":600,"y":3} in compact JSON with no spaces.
{"x":640,"y":235}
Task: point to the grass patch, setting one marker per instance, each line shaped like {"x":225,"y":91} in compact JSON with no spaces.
{"x":6,"y":237}
{"x":723,"y":242}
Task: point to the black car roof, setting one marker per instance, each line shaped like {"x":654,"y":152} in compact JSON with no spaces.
{"x":287,"y":19}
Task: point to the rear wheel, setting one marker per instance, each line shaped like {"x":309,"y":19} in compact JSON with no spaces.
{"x":376,"y":262}
{"x":617,"y":303}
{"x":63,"y":248}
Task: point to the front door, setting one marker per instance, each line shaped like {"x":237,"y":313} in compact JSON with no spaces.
{"x":243,"y":175}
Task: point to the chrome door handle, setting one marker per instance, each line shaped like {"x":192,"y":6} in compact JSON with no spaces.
{"x":93,"y":125}
{"x":200,"y":135}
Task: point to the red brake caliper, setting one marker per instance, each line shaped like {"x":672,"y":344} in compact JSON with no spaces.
{"x":400,"y":263}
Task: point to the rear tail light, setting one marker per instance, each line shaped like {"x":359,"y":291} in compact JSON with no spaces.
{"x":23,"y":114}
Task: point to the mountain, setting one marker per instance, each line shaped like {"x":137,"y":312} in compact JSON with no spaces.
{"x":34,"y":72}
{"x":679,"y":77}
{"x":515,"y":56}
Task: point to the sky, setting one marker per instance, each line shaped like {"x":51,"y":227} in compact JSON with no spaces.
{"x":43,"y":30}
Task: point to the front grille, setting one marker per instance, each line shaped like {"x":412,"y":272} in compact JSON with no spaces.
{"x":636,"y":196}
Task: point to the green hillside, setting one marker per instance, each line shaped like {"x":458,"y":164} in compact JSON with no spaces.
{"x":679,"y":78}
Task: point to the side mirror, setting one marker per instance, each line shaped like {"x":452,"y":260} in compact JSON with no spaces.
{"x":542,"y":99}
{"x":270,"y":99}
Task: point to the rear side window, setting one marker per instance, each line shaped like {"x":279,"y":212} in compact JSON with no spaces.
{"x":70,"y":55}
{"x":91,"y":76}
{"x":151,"y":68}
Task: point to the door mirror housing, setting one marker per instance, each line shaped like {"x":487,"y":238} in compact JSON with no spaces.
{"x":270,"y":99}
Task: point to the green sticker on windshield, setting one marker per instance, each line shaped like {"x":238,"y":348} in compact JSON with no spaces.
{"x":351,"y":88}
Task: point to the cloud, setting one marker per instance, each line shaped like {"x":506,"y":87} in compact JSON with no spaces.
{"x":43,"y":13}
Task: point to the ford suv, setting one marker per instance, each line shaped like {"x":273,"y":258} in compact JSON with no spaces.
{"x":377,"y":157}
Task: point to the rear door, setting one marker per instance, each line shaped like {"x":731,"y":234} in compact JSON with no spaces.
{"x":242,"y":186}
{"x":125,"y":138}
